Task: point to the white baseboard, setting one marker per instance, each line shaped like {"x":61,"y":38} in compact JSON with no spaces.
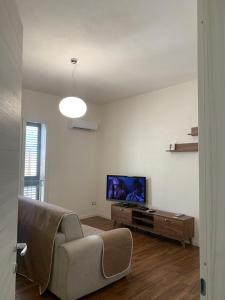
{"x":87,"y":216}
{"x":103,"y":216}
{"x":195,"y":243}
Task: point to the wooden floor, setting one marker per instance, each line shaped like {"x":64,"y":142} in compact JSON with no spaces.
{"x":162,"y":270}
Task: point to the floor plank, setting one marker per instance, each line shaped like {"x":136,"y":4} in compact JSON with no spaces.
{"x":162,"y":270}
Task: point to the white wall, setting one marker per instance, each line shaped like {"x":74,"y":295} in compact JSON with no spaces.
{"x":135,"y":134}
{"x":71,"y":168}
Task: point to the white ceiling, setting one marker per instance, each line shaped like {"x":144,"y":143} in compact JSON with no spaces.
{"x":125,"y":47}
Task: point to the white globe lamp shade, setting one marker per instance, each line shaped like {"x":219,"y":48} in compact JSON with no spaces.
{"x":72,"y":107}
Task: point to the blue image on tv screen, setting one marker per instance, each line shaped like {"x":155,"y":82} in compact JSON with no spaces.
{"x":125,"y":188}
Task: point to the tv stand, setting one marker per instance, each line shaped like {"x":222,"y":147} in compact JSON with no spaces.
{"x":159,"y":222}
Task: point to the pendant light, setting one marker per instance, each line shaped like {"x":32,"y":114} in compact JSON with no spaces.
{"x":72,"y":107}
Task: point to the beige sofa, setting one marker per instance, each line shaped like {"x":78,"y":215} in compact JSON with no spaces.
{"x":77,"y":261}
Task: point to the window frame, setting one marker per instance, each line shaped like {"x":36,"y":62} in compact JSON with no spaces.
{"x":31,"y":180}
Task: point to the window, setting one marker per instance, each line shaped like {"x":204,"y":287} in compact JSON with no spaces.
{"x":34,"y":163}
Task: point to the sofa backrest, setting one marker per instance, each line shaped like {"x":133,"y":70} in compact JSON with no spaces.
{"x":70,"y":224}
{"x":71,"y":227}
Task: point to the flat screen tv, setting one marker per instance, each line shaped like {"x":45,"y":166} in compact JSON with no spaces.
{"x":126,"y":188}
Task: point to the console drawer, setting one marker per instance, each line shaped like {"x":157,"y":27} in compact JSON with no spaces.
{"x":121,"y":214}
{"x":169,"y":226}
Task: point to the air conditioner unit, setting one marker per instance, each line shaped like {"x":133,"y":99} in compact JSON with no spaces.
{"x":83,"y":124}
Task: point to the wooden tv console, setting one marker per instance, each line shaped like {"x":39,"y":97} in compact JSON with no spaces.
{"x":159,"y":222}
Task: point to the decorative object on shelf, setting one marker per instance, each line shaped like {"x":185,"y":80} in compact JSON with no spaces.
{"x":173,"y":146}
{"x":73,"y":107}
{"x":194,"y":131}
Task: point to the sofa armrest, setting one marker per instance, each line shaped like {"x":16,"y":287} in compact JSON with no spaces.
{"x":84,"y":250}
{"x":80,"y":268}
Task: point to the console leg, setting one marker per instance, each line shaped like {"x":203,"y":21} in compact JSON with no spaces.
{"x":190,"y":240}
{"x":183,"y":244}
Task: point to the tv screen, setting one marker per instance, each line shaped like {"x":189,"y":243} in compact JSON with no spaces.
{"x":125,"y":188}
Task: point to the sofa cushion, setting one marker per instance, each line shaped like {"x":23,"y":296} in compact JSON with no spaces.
{"x":88,"y":230}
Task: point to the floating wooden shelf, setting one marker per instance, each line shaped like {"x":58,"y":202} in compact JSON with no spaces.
{"x":194,"y":131}
{"x":188,"y":147}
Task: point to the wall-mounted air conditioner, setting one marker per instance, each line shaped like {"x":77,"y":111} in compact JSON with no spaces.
{"x":83,"y":124}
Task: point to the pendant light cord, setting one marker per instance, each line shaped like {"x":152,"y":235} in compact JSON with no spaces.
{"x":74,"y":61}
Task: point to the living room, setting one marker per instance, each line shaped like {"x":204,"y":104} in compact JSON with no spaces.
{"x":132,"y":139}
{"x":141,"y":129}
{"x":134,"y":66}
{"x":134,"y":128}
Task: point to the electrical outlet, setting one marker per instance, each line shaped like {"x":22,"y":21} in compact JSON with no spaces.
{"x":93,"y":203}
